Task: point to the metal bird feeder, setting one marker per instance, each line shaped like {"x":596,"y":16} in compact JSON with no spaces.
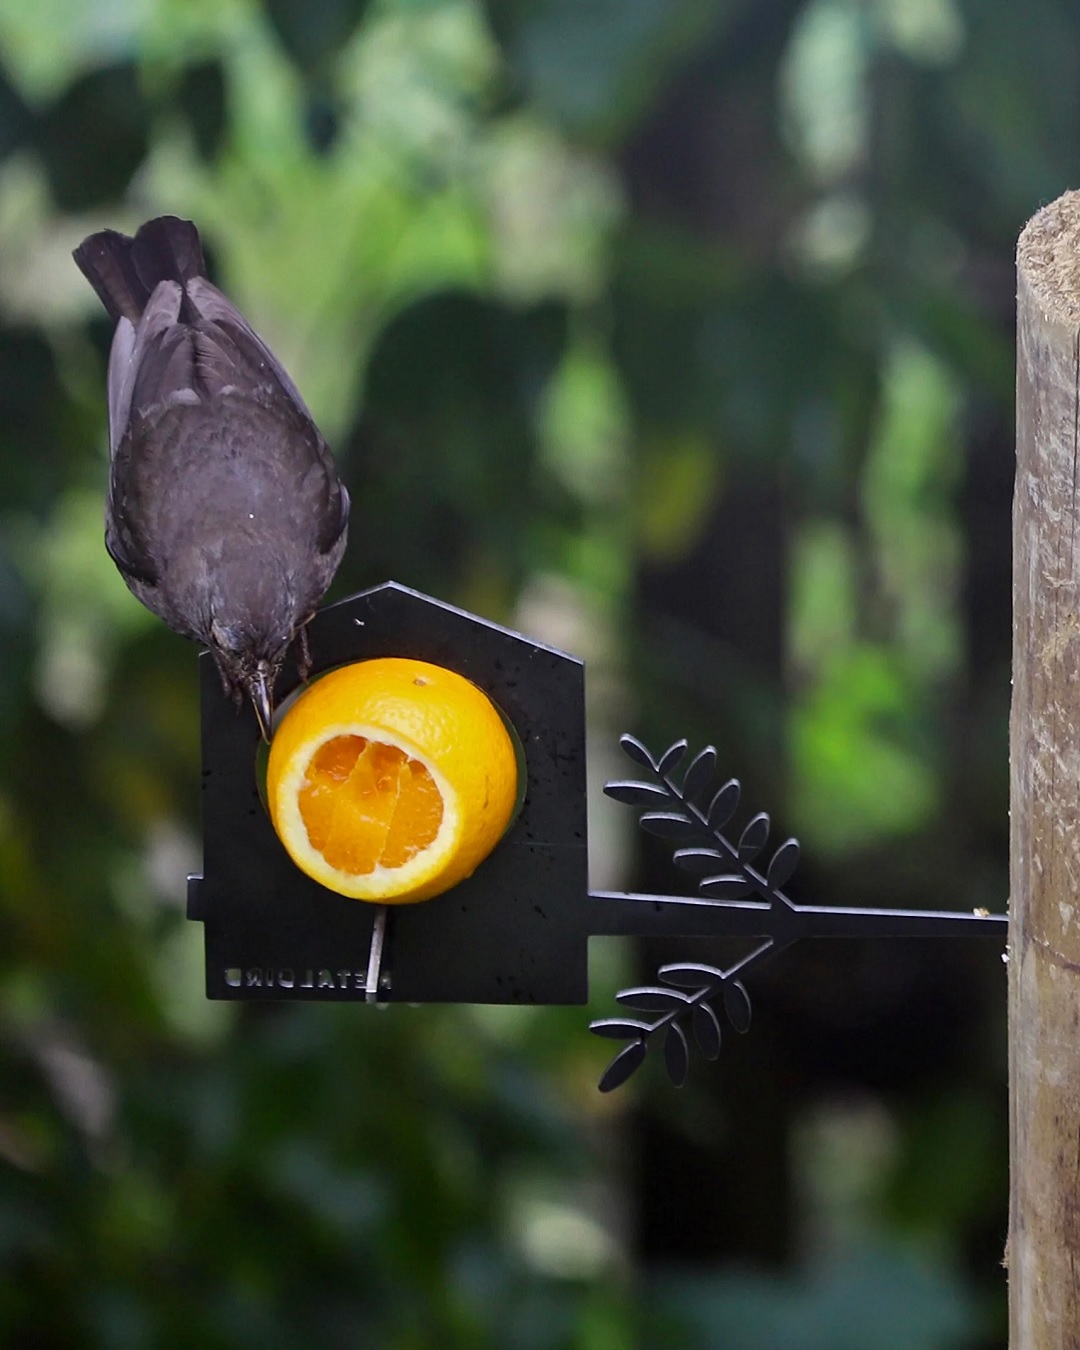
{"x":517,"y":930}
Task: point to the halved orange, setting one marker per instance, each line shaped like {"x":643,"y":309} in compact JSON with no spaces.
{"x":391,"y":780}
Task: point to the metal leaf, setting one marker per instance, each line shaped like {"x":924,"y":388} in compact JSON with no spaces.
{"x":706,"y":1026}
{"x":699,"y":774}
{"x":634,"y":750}
{"x":724,"y":805}
{"x":676,"y":1054}
{"x":784,"y":862}
{"x":671,"y":758}
{"x":689,"y":974}
{"x":669,"y":825}
{"x":737,"y":1005}
{"x":619,"y":1028}
{"x":629,"y":1059}
{"x":752,"y":840}
{"x":636,"y":794}
{"x":701,"y":861}
{"x":725,"y":888}
{"x":650,"y":998}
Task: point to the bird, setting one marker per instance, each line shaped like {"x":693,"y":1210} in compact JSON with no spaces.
{"x":224,"y":513}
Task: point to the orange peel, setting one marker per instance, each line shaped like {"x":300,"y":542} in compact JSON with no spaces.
{"x":391,"y":780}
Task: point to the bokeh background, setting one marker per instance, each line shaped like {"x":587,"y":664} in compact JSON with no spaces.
{"x":677,"y":333}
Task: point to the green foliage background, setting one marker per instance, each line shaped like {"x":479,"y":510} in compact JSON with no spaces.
{"x":676,"y":333}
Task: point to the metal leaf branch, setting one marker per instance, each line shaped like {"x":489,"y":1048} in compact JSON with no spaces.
{"x":692,"y":817}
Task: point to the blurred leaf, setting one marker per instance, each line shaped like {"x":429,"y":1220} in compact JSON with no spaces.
{"x":313,"y":34}
{"x":677,"y":488}
{"x":94,"y":137}
{"x":457,"y":381}
{"x":934,"y":1187}
{"x":201,"y":98}
{"x":16,"y":119}
{"x":595,"y":66}
{"x":876,"y":1297}
{"x":322,"y":120}
{"x":859,"y":775}
{"x":33,"y":462}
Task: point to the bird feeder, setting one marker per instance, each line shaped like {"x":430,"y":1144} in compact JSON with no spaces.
{"x":517,"y":930}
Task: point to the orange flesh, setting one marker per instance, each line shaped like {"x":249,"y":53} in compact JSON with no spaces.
{"x":366,"y":805}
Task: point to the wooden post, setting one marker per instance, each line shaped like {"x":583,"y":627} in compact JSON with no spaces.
{"x":1044,"y":971}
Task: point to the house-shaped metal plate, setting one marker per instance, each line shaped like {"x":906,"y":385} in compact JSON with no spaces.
{"x":513,"y":932}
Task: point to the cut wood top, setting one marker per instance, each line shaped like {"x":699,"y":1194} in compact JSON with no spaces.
{"x":1048,"y":255}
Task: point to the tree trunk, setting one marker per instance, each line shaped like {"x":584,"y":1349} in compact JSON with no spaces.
{"x":1044,"y":980}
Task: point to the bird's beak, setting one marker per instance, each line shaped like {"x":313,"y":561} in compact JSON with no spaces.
{"x":260,"y":690}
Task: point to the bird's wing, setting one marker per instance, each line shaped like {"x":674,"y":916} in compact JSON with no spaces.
{"x":235,"y":347}
{"x":126,"y":551}
{"x":124,"y":540}
{"x":149,"y":361}
{"x":332,"y":538}
{"x":120,"y":354}
{"x":231,"y":358}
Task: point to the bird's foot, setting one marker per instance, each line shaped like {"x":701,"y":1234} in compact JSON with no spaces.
{"x":232,"y":691}
{"x":303,"y":666}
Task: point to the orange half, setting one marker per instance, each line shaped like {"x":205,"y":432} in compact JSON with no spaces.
{"x":391,"y":780}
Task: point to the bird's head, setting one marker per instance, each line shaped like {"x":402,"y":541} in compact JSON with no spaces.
{"x":249,"y":664}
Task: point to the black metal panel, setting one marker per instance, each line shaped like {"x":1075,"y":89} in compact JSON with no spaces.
{"x":514,"y":932}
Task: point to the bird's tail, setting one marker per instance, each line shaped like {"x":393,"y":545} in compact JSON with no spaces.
{"x":124,"y":271}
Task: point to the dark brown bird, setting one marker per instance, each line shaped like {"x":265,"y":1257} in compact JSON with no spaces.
{"x":225,"y":514}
